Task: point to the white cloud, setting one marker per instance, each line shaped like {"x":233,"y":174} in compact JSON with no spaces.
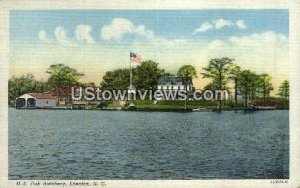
{"x":268,"y":38}
{"x":140,"y":30}
{"x":82,"y":33}
{"x":203,"y":28}
{"x":61,"y":36}
{"x":241,"y":24}
{"x":121,"y":26}
{"x":42,"y":35}
{"x":220,"y":23}
{"x":261,"y":52}
{"x":117,"y":29}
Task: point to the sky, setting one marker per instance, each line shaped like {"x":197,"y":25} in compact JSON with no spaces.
{"x":95,"y":41}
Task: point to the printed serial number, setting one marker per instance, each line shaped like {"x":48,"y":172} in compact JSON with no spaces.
{"x":279,"y":181}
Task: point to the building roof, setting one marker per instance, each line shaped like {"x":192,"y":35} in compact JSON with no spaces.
{"x":41,"y":95}
{"x":174,"y":80}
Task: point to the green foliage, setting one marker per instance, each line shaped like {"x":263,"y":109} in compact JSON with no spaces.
{"x":265,"y":86}
{"x":116,"y":79}
{"x":187,"y":71}
{"x":89,"y":84}
{"x":145,"y":76}
{"x":234,"y":75}
{"x":218,"y":71}
{"x":18,"y":86}
{"x":248,"y":85}
{"x":284,"y":91}
{"x":234,"y":72}
{"x":253,"y":86}
{"x":211,"y":86}
{"x":62,"y":75}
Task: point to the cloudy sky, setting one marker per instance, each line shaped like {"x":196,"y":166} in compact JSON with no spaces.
{"x":94,"y":41}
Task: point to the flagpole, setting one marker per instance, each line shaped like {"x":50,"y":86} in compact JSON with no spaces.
{"x":130,"y":86}
{"x":131,"y":90}
{"x":131,"y":105}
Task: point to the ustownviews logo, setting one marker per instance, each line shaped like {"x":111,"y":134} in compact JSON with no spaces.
{"x":92,"y":94}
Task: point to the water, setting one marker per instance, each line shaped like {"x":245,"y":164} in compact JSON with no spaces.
{"x":62,"y":144}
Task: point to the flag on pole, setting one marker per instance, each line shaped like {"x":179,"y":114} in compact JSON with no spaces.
{"x":135,"y":57}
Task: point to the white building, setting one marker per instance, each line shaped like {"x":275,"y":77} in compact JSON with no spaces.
{"x":174,"y":83}
{"x":36,"y":100}
{"x":168,"y":84}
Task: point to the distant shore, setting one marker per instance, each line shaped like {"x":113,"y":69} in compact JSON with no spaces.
{"x":156,"y":110}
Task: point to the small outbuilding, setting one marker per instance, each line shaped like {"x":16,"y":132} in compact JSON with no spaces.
{"x":36,"y":100}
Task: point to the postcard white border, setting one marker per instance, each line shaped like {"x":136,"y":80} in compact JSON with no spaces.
{"x":294,"y":50}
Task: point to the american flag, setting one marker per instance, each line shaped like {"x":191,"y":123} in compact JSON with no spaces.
{"x":135,"y":57}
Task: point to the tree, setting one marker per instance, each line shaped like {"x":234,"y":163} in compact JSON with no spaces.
{"x":210,"y":86}
{"x":62,"y":76}
{"x":248,"y":85}
{"x":88,"y":84}
{"x":186,"y":72}
{"x":265,"y":86}
{"x":18,"y":86}
{"x":284,"y":92}
{"x":218,"y":70}
{"x":254,"y":85}
{"x":234,"y":75}
{"x":116,"y":79}
{"x":146,"y":75}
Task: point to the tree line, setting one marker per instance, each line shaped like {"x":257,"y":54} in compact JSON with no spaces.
{"x":221,"y":72}
{"x":246,"y":82}
{"x":60,"y":75}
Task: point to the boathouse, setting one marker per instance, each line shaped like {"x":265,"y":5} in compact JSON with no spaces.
{"x":36,"y":100}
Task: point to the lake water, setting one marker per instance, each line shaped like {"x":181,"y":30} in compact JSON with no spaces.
{"x":78,"y":144}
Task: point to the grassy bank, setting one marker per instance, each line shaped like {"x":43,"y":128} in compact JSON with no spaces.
{"x":173,"y":105}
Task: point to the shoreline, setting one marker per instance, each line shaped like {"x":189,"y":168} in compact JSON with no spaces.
{"x":157,"y":110}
